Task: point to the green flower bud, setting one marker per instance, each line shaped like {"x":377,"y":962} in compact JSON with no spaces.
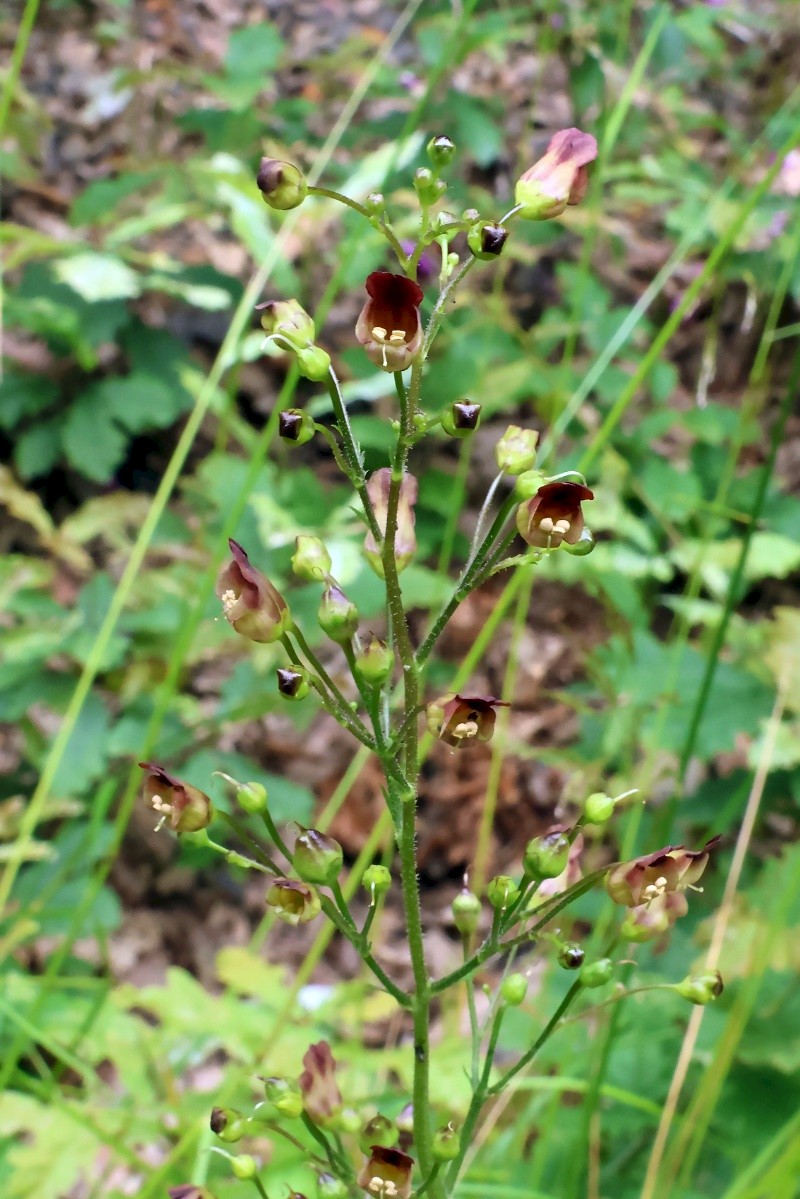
{"x":596,"y":974}
{"x":227,"y":1123}
{"x":375,"y":203}
{"x":317,"y":858}
{"x":329,"y":1187}
{"x":515,"y":452}
{"x":486,"y":240}
{"x":427,"y":186}
{"x":311,"y":560}
{"x":284,"y":1096}
{"x":466,"y":910}
{"x":571,"y":956}
{"x":337,"y":615}
{"x":252,"y":797}
{"x":314,"y":363}
{"x":598,"y":807}
{"x":379,"y":1131}
{"x":405,"y":1121}
{"x":547,"y":856}
{"x":292,"y":901}
{"x":347,"y":1120}
{"x":293,"y":682}
{"x":244,"y":1167}
{"x":296,"y":426}
{"x":282,"y":184}
{"x":461,"y":419}
{"x":559,"y":178}
{"x":528,"y":483}
{"x":502,"y":891}
{"x":376,"y":662}
{"x":446,"y":1144}
{"x":701,"y":989}
{"x":376,"y":879}
{"x":441,"y":151}
{"x":288,"y":320}
{"x":583,"y":546}
{"x":513,"y":989}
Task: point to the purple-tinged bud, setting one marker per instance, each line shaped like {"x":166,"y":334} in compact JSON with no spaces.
{"x":376,"y":663}
{"x":486,"y":240}
{"x":387,"y":1172}
{"x":446,"y":1144}
{"x":559,"y":178}
{"x":244,"y":1167}
{"x":321,"y":1096}
{"x":515,"y":452}
{"x":284,"y":1096}
{"x":441,"y":151}
{"x":292,"y":901}
{"x":337,"y":615}
{"x":571,"y":956}
{"x":513,"y":989}
{"x":702,"y":988}
{"x":187,"y":809}
{"x":282,"y":184}
{"x":461,"y":419}
{"x":380,"y":1130}
{"x":250,"y":603}
{"x":329,"y":1187}
{"x":546,"y":856}
{"x":466,"y":909}
{"x":596,"y":974}
{"x":598,"y":808}
{"x":289,"y":320}
{"x":405,"y":1121}
{"x":377,"y":880}
{"x":227,"y":1123}
{"x":317,"y":858}
{"x":311,"y":560}
{"x":502,"y":891}
{"x":293,"y":682}
{"x":405,"y":539}
{"x":296,"y":426}
{"x":375,"y":203}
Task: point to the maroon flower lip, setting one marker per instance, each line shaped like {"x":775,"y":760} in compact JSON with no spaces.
{"x":389,"y":326}
{"x":553,"y":515}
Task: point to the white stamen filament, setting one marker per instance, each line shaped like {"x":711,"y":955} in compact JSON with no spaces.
{"x":383,"y":1187}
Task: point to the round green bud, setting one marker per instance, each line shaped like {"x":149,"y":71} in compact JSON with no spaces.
{"x":227,"y":1124}
{"x":337,"y":615}
{"x":295,"y":426}
{"x":502,"y":891}
{"x":702,"y":989}
{"x":486,"y":240}
{"x":293,"y":682}
{"x":441,"y":151}
{"x":513,"y":989}
{"x":282,"y":184}
{"x":244,"y":1167}
{"x":376,"y":880}
{"x":583,"y":546}
{"x":425,"y":184}
{"x":380,"y":1130}
{"x":252,"y":797}
{"x":528,"y":483}
{"x":462,"y":419}
{"x":314,"y":363}
{"x":598,"y":807}
{"x":596,"y":974}
{"x":311,"y":560}
{"x":515,"y":452}
{"x":446,"y":1144}
{"x":329,"y":1187}
{"x":317,"y":858}
{"x":466,"y":910}
{"x":375,"y":203}
{"x":571,"y":956}
{"x":376,"y":662}
{"x":547,"y":856}
{"x":347,"y":1120}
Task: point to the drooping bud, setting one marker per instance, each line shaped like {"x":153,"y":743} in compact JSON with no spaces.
{"x":466,"y":909}
{"x":441,"y":151}
{"x":292,"y":901}
{"x":284,"y":1096}
{"x":187,"y":809}
{"x":515,"y":452}
{"x":405,"y":539}
{"x":596,"y":974}
{"x":598,"y":808}
{"x":293,"y":682}
{"x":513,"y":989}
{"x":377,"y":880}
{"x":329,"y":1187}
{"x":337,"y":615}
{"x":375,"y":203}
{"x":389,"y":326}
{"x":459,"y":719}
{"x":546,"y":856}
{"x":386,"y":1174}
{"x":244,"y":1167}
{"x":486,"y":240}
{"x":250,"y":603}
{"x":502,"y":891}
{"x":446,"y":1144}
{"x":461,"y":419}
{"x":571,"y":956}
{"x":296,"y":426}
{"x":702,"y":988}
{"x":227,"y":1123}
{"x":378,"y":1131}
{"x":311,"y":560}
{"x":554,"y":515}
{"x":317,"y":858}
{"x":376,"y":662}
{"x":282,"y":184}
{"x":559,"y":178}
{"x":321,"y":1096}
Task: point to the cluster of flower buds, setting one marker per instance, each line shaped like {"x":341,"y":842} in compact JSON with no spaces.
{"x":653,"y":888}
{"x":288,"y":324}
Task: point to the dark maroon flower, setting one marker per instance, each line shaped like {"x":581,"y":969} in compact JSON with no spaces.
{"x":250,"y":603}
{"x":457,"y":719}
{"x":389,"y":326}
{"x":553,"y":515}
{"x":386,"y":1173}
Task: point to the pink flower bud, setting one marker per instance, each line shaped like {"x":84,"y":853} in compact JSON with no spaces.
{"x":405,"y":539}
{"x":321,"y":1096}
{"x":559,"y":178}
{"x":250,"y":603}
{"x":389,"y":326}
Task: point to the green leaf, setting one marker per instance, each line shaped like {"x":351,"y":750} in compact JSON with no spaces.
{"x":93,"y":442}
{"x":84,"y":759}
{"x":98,"y":277}
{"x":253,"y":51}
{"x":97,"y":203}
{"x":22,"y":396}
